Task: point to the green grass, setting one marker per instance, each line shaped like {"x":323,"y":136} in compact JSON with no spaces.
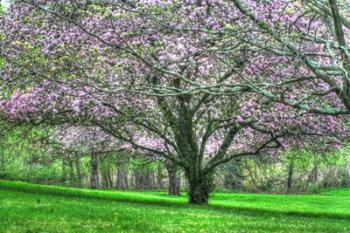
{"x":345,"y":192}
{"x":33,"y":208}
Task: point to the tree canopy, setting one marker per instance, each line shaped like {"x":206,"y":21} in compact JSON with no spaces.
{"x":198,"y":83}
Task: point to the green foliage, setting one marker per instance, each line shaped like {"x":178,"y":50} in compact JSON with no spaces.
{"x":312,"y":170}
{"x":79,"y":210}
{"x":22,"y":160}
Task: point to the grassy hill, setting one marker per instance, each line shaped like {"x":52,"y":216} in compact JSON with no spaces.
{"x":37,"y":208}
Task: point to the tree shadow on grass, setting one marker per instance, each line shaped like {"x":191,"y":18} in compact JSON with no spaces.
{"x":168,"y":203}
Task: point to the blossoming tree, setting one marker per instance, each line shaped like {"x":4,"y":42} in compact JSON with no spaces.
{"x":171,"y":78}
{"x":310,"y":42}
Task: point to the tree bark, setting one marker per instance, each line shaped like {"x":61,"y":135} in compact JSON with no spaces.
{"x":64,"y":170}
{"x":122,"y":164}
{"x":200,"y":187}
{"x":174,"y":179}
{"x":290,"y":176}
{"x":347,"y":174}
{"x":105,"y":170}
{"x":72,"y":177}
{"x":152,"y":176}
{"x":110,"y":177}
{"x":2,"y":163}
{"x":122,"y":175}
{"x":94,"y":171}
{"x":160,"y":176}
{"x":144,"y":178}
{"x":139,"y":179}
{"x":105,"y":180}
{"x":79,"y":182}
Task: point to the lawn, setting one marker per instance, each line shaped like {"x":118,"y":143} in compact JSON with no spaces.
{"x":33,"y":208}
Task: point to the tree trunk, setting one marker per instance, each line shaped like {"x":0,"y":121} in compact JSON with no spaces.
{"x":72,"y":177}
{"x":79,"y":182}
{"x":160,"y":176}
{"x":122,"y":175}
{"x":138,"y":179}
{"x":152,"y":177}
{"x":143,"y":178}
{"x":64,"y":170}
{"x":174,"y":179}
{"x":290,"y":176}
{"x":105,"y":182}
{"x":315,"y":175}
{"x":200,"y":187}
{"x":110,"y":177}
{"x":2,"y":163}
{"x":105,"y":170}
{"x":94,"y":171}
{"x":347,"y":174}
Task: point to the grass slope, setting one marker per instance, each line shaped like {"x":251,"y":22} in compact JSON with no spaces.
{"x":37,"y":208}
